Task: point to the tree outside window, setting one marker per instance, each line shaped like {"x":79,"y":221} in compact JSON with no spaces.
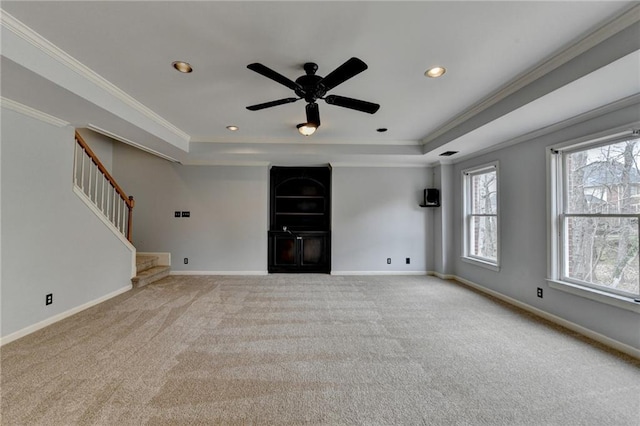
{"x":481,"y":211}
{"x":600,"y":216}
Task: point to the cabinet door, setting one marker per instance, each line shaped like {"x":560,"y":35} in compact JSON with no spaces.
{"x":285,"y":251}
{"x":312,"y":250}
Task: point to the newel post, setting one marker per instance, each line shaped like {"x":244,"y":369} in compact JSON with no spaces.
{"x":131,"y":203}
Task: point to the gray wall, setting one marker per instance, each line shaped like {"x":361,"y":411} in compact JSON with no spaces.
{"x":523,"y":234}
{"x":101,"y":145}
{"x":376,"y":216}
{"x":227,"y":230}
{"x":51,"y":241}
{"x":443,"y":242}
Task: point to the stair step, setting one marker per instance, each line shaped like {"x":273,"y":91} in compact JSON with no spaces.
{"x":145,"y":262}
{"x":150,"y":275}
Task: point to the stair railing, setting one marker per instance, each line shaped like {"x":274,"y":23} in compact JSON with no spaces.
{"x":93,"y":179}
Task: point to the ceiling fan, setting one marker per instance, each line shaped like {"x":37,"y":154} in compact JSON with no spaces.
{"x":312,"y":87}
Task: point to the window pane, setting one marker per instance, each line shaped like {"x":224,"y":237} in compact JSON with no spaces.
{"x":483,"y":237}
{"x":605,"y":179}
{"x":483,"y":193}
{"x":603,"y":251}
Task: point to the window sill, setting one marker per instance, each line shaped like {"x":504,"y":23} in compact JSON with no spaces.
{"x":478,"y":262}
{"x":597,"y":295}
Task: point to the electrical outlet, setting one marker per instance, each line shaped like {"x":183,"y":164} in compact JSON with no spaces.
{"x":48,"y":299}
{"x":539,"y":292}
{"x":388,"y":261}
{"x":186,"y":260}
{"x":186,"y":214}
{"x":408,"y":261}
{"x":176,"y":214}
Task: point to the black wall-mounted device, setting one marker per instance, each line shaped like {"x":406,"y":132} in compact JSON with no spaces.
{"x":431,"y":198}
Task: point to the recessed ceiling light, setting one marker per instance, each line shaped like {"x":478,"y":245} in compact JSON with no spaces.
{"x":182,"y":66}
{"x":435,"y":72}
{"x":232,"y":128}
{"x":382,"y":129}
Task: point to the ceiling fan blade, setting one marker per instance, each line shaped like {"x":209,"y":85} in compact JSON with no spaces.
{"x":272,"y":104}
{"x":351,"y":103}
{"x":313,"y":113}
{"x":344,"y":72}
{"x":277,"y":77}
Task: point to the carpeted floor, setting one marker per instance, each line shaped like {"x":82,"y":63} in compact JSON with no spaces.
{"x":313,"y":349}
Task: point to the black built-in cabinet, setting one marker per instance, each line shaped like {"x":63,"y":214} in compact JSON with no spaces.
{"x":300,"y":226}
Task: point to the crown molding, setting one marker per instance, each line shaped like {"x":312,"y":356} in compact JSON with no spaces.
{"x":229,"y":163}
{"x":10,"y":23}
{"x":580,"y":118}
{"x":32,"y":112}
{"x":297,"y":140}
{"x":344,"y":164}
{"x":626,"y":19}
{"x":130,"y":142}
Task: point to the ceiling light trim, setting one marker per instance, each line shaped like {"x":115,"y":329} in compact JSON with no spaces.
{"x":630,"y":17}
{"x":39,"y":42}
{"x":435,"y":72}
{"x":182,"y":67}
{"x":32,"y":112}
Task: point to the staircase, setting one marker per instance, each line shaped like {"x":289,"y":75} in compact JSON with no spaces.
{"x":148,"y":271}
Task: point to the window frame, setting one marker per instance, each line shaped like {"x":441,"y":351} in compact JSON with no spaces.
{"x":468,"y":215}
{"x":557,"y":219}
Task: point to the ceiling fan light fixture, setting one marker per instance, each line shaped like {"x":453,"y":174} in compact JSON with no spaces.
{"x":435,"y":72}
{"x":183,"y":67}
{"x":306,"y":129}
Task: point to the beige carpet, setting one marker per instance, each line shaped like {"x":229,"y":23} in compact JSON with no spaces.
{"x":313,"y":349}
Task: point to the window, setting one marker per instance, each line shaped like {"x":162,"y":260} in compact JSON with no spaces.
{"x":596,"y":216}
{"x":481,"y":235}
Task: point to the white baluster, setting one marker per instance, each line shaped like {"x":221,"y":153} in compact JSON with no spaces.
{"x":102,"y":196}
{"x":118,"y":216}
{"x":124,"y":217}
{"x":82,"y":170}
{"x":75,"y":164}
{"x":88,"y":191}
{"x":95,"y":189}
{"x":113,"y":212}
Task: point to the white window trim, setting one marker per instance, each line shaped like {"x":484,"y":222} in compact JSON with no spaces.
{"x":554,"y":227}
{"x":466,"y":204}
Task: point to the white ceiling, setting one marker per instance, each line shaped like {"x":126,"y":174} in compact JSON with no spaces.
{"x":483,"y":45}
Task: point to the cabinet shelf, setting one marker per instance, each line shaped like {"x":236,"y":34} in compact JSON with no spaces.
{"x":300,"y":196}
{"x":298,"y":214}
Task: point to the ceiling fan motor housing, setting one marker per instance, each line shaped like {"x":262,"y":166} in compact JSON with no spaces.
{"x":311,"y":89}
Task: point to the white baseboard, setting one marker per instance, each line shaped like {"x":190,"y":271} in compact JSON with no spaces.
{"x":379,"y":273}
{"x":441,"y":276}
{"x":605,"y":340}
{"x":218,"y":273}
{"x":42,"y":324}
